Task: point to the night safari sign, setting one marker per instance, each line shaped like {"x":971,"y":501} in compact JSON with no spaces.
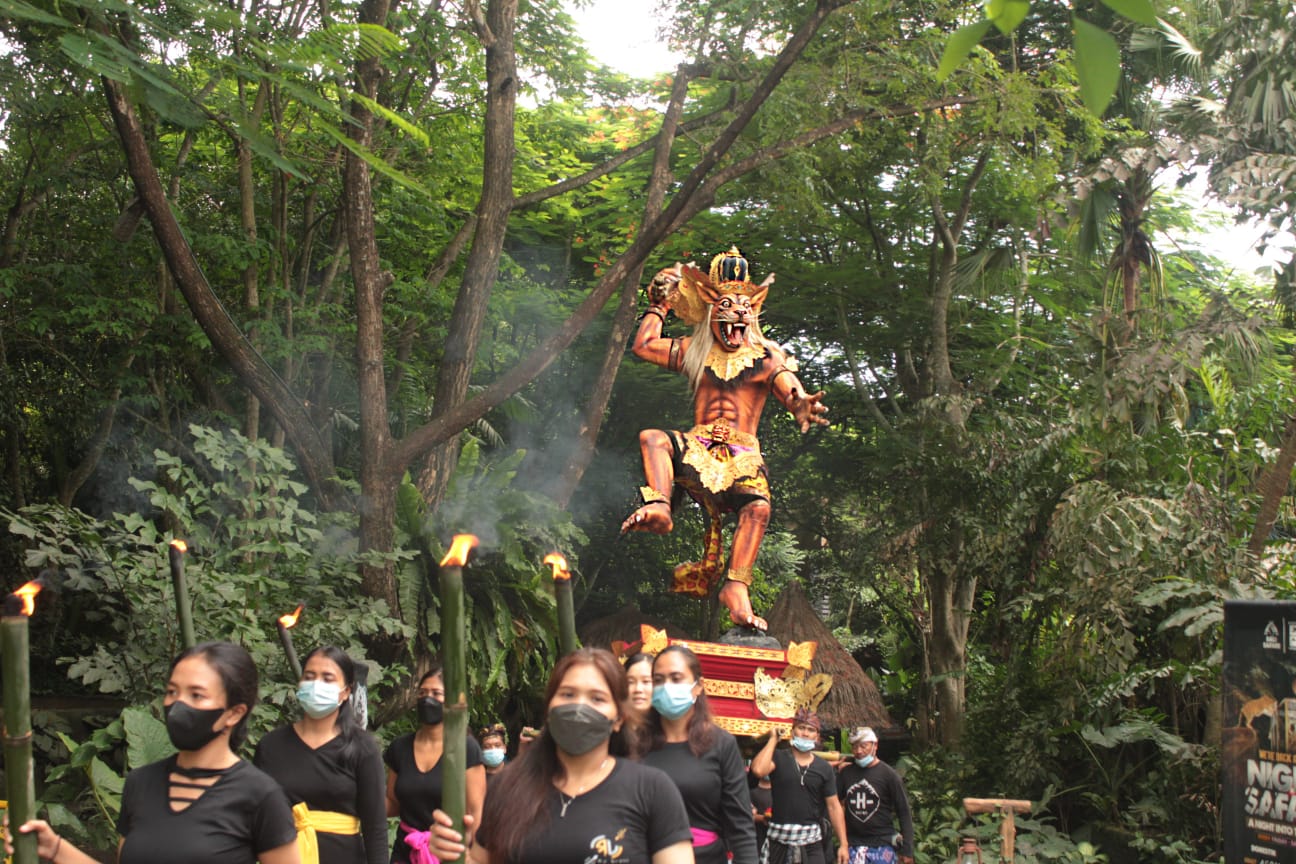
{"x":1259,"y":736}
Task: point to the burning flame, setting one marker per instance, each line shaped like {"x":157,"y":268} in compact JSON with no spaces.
{"x":180,"y":545}
{"x":459,"y":550}
{"x":290,"y":621}
{"x":28,"y":594}
{"x":559,"y":564}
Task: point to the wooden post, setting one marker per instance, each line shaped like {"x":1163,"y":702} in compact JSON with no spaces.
{"x":1008,"y":828}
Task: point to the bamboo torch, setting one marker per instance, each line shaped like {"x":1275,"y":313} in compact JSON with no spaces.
{"x":15,"y":659}
{"x":566,"y":607}
{"x":285,"y":625}
{"x":184,"y":611}
{"x":455,"y":674}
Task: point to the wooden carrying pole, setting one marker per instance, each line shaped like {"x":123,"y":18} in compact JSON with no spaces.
{"x":1008,"y":828}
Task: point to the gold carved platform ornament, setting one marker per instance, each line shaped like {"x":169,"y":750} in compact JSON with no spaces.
{"x":781,"y":697}
{"x":654,"y":640}
{"x":801,"y":653}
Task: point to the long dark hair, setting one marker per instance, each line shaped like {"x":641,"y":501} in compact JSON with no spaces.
{"x":347,"y":723}
{"x":509,"y":820}
{"x":238,"y":675}
{"x":701,"y":731}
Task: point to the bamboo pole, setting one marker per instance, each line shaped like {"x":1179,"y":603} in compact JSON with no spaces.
{"x":184,"y":609}
{"x":20,"y":778}
{"x":567,"y":641}
{"x":454,"y":645}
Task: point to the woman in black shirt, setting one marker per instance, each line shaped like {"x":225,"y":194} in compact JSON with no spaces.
{"x":330,"y":767}
{"x":204,"y":805}
{"x":701,"y":759}
{"x":569,"y":798}
{"x":414,"y":772}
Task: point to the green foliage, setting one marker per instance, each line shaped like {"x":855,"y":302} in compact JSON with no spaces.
{"x":1097,"y":57}
{"x":87,"y":777}
{"x":255,"y":552}
{"x":509,"y":602}
{"x":940,"y":822}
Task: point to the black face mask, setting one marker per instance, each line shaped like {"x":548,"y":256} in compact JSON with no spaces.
{"x":190,"y":728}
{"x":430,"y":711}
{"x":577,"y":728}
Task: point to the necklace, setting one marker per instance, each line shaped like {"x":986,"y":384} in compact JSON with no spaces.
{"x":566,"y":801}
{"x":727,"y":365}
{"x":803,"y":771}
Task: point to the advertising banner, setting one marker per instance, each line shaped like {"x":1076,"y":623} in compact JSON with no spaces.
{"x":1259,"y":746}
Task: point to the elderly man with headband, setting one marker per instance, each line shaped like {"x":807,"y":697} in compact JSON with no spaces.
{"x":874,"y":797}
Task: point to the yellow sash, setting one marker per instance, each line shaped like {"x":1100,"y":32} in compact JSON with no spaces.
{"x":310,"y":821}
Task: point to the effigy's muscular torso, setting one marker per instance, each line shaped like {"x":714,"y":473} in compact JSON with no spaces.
{"x":740,"y":405}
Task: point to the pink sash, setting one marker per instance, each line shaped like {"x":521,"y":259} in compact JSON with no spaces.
{"x":418,"y":843}
{"x":702,"y":837}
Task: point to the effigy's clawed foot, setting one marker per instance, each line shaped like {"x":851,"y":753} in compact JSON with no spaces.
{"x":655,"y":516}
{"x":735,"y":598}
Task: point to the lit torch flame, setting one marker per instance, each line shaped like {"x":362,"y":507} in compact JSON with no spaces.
{"x":290,"y":621}
{"x":181,"y":545}
{"x":460,"y":548}
{"x":28,"y":594}
{"x":559,"y":565}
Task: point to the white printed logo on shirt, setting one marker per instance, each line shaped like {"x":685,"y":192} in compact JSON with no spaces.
{"x":863,"y":801}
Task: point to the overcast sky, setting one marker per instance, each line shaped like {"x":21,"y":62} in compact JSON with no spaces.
{"x":623,"y":34}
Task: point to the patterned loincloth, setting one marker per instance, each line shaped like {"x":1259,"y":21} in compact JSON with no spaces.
{"x":715,"y":459}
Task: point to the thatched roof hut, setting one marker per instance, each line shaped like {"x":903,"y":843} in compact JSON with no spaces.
{"x":623,"y":626}
{"x":854,"y":699}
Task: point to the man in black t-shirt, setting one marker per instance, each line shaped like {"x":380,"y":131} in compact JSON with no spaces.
{"x":803,"y":789}
{"x":873,"y":796}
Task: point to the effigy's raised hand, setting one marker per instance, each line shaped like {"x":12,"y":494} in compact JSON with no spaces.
{"x":807,"y":410}
{"x":661,"y":290}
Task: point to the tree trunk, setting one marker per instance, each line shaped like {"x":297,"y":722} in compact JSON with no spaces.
{"x":95,"y":447}
{"x":226,"y":337}
{"x":251,"y":273}
{"x":569,"y":476}
{"x":377,"y":515}
{"x":464,"y":333}
{"x":949,"y":603}
{"x":1272,"y":486}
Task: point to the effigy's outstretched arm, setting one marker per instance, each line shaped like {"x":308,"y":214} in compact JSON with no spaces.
{"x":806,"y":408}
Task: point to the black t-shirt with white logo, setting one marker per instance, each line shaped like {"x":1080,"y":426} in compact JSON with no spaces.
{"x":632,"y":815}
{"x":873,"y":798}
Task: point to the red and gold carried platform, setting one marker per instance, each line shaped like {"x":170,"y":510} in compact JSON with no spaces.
{"x":750,"y":690}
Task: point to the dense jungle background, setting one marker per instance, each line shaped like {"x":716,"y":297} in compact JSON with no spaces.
{"x":314,"y":285}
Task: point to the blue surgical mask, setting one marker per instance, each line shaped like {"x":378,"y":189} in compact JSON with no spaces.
{"x":494,"y":757}
{"x":805,"y":745}
{"x":673,"y":699}
{"x":319,"y":698}
{"x":865,"y":761}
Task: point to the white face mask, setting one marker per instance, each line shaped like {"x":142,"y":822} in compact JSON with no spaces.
{"x":319,"y":698}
